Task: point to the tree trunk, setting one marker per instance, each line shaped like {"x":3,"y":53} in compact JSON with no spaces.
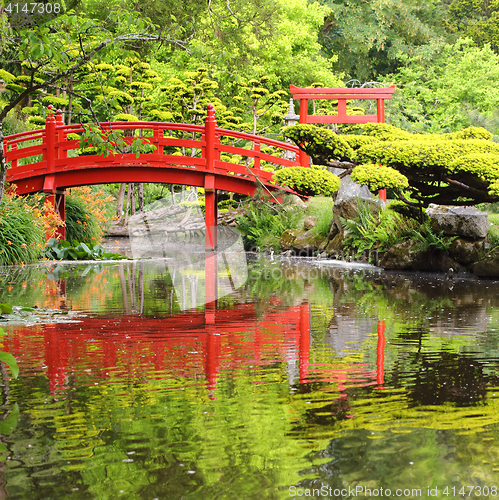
{"x":127,"y":204}
{"x":121,"y":201}
{"x":131,"y":197}
{"x":70,"y":104}
{"x":140,"y":196}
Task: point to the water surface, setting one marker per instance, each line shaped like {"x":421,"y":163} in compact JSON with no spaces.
{"x":298,"y":377}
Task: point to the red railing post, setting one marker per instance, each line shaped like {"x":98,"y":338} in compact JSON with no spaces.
{"x":50,"y":155}
{"x":380,"y":111}
{"x":256,"y":149}
{"x":210,"y":216}
{"x":59,"y":123}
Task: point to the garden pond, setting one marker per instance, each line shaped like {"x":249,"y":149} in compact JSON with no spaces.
{"x":303,"y":378}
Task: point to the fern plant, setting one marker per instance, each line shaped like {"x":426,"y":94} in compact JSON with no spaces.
{"x":428,"y":240}
{"x":372,"y":231}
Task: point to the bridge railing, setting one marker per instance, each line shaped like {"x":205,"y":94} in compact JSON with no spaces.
{"x":184,"y":146}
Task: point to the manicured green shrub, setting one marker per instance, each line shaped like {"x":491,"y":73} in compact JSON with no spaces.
{"x":461,"y":168}
{"x":308,"y":181}
{"x":377,"y":176}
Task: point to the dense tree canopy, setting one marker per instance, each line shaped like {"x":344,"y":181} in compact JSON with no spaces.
{"x":449,"y":169}
{"x":369,"y":37}
{"x":460,"y":88}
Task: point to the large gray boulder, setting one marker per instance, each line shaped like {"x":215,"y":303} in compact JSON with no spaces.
{"x":347,"y":199}
{"x":468,"y":222}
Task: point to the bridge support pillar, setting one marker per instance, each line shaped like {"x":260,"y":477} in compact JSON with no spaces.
{"x":210,"y":213}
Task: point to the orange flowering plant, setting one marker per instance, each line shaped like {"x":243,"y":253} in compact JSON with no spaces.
{"x":86,"y":214}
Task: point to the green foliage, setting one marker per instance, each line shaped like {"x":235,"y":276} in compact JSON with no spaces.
{"x":370,"y":37}
{"x":315,"y":141}
{"x":6,"y":357}
{"x":21,"y":233}
{"x":448,"y":169}
{"x":5,"y":309}
{"x":377,"y":176}
{"x":308,"y":181}
{"x":106,"y":143}
{"x":376,"y":231}
{"x":321,"y":208}
{"x":63,"y":250}
{"x":458,"y":87}
{"x":478,"y":19}
{"x":81,"y":224}
{"x":263,"y":223}
{"x":428,"y":240}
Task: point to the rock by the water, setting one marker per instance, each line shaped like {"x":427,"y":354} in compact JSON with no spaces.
{"x":488,"y":267}
{"x":335,"y":245}
{"x":407,"y":256}
{"x":309,"y":222}
{"x":345,"y":205}
{"x":404,"y":256}
{"x":308,"y":243}
{"x":288,"y":238}
{"x":466,"y":251}
{"x":468,"y":222}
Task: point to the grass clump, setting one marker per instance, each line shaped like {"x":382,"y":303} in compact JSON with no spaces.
{"x":21,"y":231}
{"x":321,"y":207}
{"x":264,"y":222}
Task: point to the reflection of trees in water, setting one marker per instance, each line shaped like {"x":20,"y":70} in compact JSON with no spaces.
{"x":444,"y":377}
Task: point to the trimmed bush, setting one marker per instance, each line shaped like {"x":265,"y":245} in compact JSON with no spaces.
{"x":308,"y":181}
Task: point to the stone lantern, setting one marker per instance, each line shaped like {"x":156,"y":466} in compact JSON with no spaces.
{"x":290,"y":119}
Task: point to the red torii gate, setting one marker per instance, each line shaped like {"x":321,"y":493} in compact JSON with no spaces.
{"x":341,"y":95}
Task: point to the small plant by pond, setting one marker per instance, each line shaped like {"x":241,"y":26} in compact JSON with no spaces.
{"x":63,"y":250}
{"x":264,"y":222}
{"x":6,"y":357}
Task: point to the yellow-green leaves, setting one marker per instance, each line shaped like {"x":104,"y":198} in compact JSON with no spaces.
{"x":376,"y":177}
{"x":319,"y":142}
{"x":308,"y":181}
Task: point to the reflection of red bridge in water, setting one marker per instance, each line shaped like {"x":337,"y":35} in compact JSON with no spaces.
{"x":48,"y":161}
{"x":184,"y":345}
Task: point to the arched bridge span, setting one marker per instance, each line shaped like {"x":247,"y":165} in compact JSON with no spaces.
{"x":49,"y":160}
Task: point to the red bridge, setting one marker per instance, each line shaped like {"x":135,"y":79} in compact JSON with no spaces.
{"x":49,"y":161}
